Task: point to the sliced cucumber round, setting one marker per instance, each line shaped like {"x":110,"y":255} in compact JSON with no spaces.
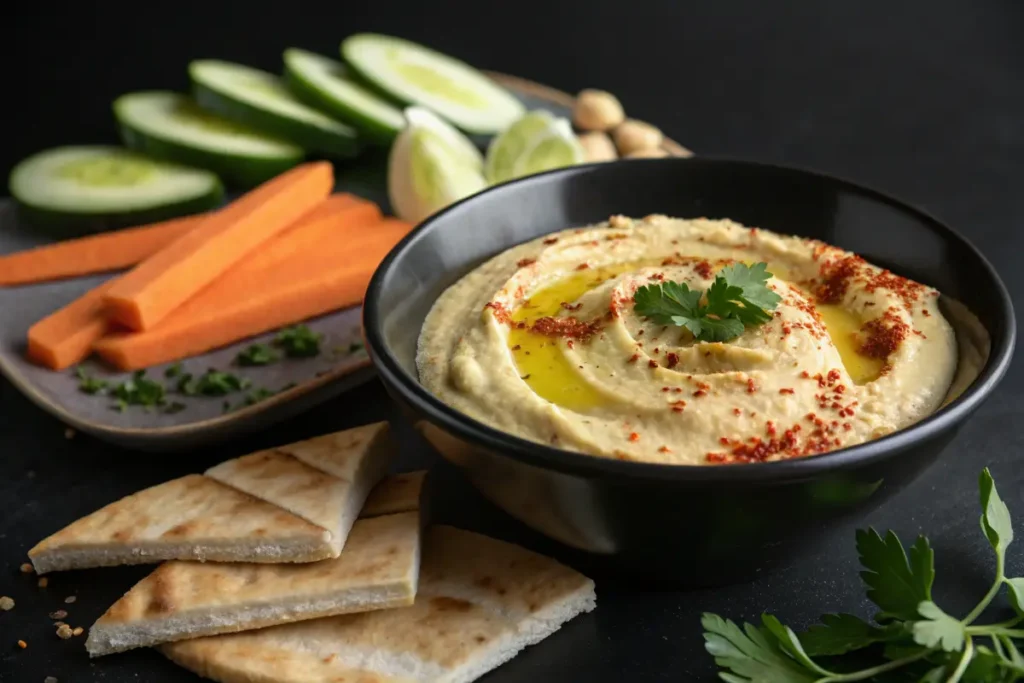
{"x":171,"y":126}
{"x":87,"y":189}
{"x":262,"y":100}
{"x":414,"y":74}
{"x":328,"y":84}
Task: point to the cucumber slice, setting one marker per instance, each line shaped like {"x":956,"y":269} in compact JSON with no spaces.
{"x":328,"y":85}
{"x":414,"y":74}
{"x":170,"y":126}
{"x":262,"y":100}
{"x":88,"y":189}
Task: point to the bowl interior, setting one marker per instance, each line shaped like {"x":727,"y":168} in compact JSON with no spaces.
{"x":882,"y":230}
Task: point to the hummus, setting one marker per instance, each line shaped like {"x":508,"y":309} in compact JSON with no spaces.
{"x":542,"y":341}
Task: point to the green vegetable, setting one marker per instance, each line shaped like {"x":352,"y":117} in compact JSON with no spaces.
{"x":174,"y":407}
{"x":89,"y":384}
{"x":298,"y":342}
{"x":922,"y":642}
{"x":140,"y":391}
{"x":212,"y":383}
{"x":260,"y":394}
{"x":261,"y":100}
{"x":739,"y":297}
{"x":257,"y":354}
{"x":173,"y":371}
{"x":87,"y":189}
{"x":355,"y":347}
{"x":171,"y":126}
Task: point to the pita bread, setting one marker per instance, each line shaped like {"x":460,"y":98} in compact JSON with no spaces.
{"x":191,"y":518}
{"x":397,"y":493}
{"x":342,"y":454}
{"x":378,"y":569}
{"x":480,"y":602}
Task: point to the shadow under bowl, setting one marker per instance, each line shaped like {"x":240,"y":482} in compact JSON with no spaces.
{"x":687,"y":524}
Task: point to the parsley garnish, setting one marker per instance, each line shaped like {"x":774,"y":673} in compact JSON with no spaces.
{"x":212,"y":383}
{"x":298,"y":341}
{"x":258,"y":395}
{"x":738,"y":297}
{"x":173,"y":371}
{"x":914,"y":636}
{"x":140,"y":391}
{"x":88,"y":384}
{"x":257,"y":354}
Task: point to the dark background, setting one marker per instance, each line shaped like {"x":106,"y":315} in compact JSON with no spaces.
{"x":924,"y":100}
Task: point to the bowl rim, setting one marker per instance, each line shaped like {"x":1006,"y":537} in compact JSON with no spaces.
{"x":583,"y":464}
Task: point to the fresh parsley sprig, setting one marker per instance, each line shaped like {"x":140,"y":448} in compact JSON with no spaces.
{"x":739,"y":297}
{"x":913,"y":636}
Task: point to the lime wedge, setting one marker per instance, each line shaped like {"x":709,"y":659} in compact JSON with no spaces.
{"x":431,"y":166}
{"x":505,"y":149}
{"x":556,"y":148}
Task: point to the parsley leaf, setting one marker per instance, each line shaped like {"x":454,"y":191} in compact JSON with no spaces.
{"x":173,"y":371}
{"x":995,"y":518}
{"x":140,"y":391}
{"x":938,"y":629}
{"x":88,"y":384}
{"x":216,"y":383}
{"x":258,"y":395}
{"x":838,"y":634}
{"x":753,"y":655}
{"x":257,"y":354}
{"x":738,"y":297}
{"x":298,"y":342}
{"x":896,"y":584}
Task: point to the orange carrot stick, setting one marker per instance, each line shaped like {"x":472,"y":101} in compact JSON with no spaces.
{"x":65,"y":337}
{"x":94,"y":254}
{"x":247,"y":302}
{"x":161,"y":283}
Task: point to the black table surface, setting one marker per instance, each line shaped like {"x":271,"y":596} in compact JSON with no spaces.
{"x":924,"y":100}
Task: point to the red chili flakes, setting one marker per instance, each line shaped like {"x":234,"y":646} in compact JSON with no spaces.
{"x":657,"y":277}
{"x":664,"y":449}
{"x":640,"y":332}
{"x":666,"y":389}
{"x":583,"y":266}
{"x":787,"y":391}
{"x":657,"y":349}
{"x":715,"y":457}
{"x":678,"y":406}
{"x":569,"y":343}
{"x":634,"y":358}
{"x":652,"y":363}
{"x":500,"y":312}
{"x":925,"y":313}
{"x":805,"y":374}
{"x":704,"y":269}
{"x":833,"y":377}
{"x":678,"y":390}
{"x":699,"y":393}
{"x":786,"y":329}
{"x":571,"y":307}
{"x":551,"y":240}
{"x":737,"y":412}
{"x":723,"y":440}
{"x":908,"y":290}
{"x":769,"y":428}
{"x":671,"y":360}
{"x":836,"y":277}
{"x":882,"y":336}
{"x":522,"y":263}
{"x":570,"y":327}
{"x":634,"y":437}
{"x":751,"y":387}
{"x":847,"y":426}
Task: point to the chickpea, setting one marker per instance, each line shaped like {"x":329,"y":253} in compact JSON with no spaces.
{"x":598,"y":147}
{"x":650,"y":153}
{"x":632,"y":136}
{"x":597,"y":110}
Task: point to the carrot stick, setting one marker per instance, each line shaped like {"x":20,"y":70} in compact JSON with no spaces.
{"x":247,"y":302}
{"x":94,"y":254}
{"x":161,"y":283}
{"x":65,"y":337}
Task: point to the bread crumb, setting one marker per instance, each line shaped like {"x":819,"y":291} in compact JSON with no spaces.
{"x":78,"y":630}
{"x":44,"y":582}
{"x":26,"y":568}
{"x":69,"y":433}
{"x":70,"y":599}
{"x":64,"y":631}
{"x":6,"y":603}
{"x":59,"y":614}
{"x":22,"y":644}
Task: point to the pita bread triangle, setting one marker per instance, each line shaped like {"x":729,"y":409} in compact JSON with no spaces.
{"x":378,"y":569}
{"x":191,"y":518}
{"x":480,"y":602}
{"x":397,"y":493}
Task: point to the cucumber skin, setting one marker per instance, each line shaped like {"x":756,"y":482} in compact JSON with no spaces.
{"x":238,"y":171}
{"x":369,"y":129}
{"x":64,"y":224}
{"x":304,"y":135}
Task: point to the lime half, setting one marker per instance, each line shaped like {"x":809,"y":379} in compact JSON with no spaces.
{"x":555,"y":148}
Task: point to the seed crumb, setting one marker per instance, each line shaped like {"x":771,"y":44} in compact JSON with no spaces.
{"x":78,"y":630}
{"x":64,"y":631}
{"x":59,"y":614}
{"x":26,"y":568}
{"x":69,"y":433}
{"x":70,"y":599}
{"x":6,"y":603}
{"x":43,"y":582}
{"x":22,"y":644}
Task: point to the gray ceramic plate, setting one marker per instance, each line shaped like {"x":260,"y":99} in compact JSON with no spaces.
{"x":204,"y":419}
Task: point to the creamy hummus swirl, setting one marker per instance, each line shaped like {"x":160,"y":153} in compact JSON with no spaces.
{"x":543,"y":342}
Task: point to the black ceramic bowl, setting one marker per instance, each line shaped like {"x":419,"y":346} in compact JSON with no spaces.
{"x":698,"y":525}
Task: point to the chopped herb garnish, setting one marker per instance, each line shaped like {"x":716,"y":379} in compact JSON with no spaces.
{"x":174,"y":407}
{"x":298,"y":342}
{"x":173,"y":371}
{"x":355,"y":347}
{"x":257,"y":354}
{"x":738,"y":297}
{"x":89,"y":384}
{"x":186,"y":385}
{"x":260,"y":394}
{"x":912,"y":637}
{"x":140,"y":391}
{"x":120,"y":406}
{"x":215,"y":383}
